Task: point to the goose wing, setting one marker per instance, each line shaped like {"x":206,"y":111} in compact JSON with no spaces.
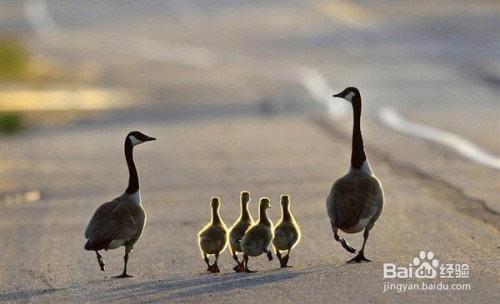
{"x":352,"y":198}
{"x":116,"y":220}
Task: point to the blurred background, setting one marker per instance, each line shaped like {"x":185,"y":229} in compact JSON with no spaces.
{"x":237,"y":93}
{"x":81,"y":63}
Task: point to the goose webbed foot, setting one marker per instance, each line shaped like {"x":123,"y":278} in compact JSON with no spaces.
{"x":100,"y":260}
{"x":123,"y":275}
{"x":358,"y":258}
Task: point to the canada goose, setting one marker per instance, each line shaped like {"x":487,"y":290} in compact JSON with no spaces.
{"x":286,"y":233}
{"x":258,"y":237}
{"x":239,"y":228}
{"x":120,"y":221}
{"x":213,"y":237}
{"x":356,"y":199}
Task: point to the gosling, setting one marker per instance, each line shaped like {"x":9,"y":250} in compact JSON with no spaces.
{"x":238,"y":230}
{"x":258,"y":237}
{"x":212,"y":239}
{"x":286,"y":233}
{"x":356,"y":200}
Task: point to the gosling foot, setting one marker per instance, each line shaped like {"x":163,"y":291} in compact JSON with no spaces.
{"x":284,"y":261}
{"x":214,"y":268}
{"x":359,"y":258}
{"x":239,"y":268}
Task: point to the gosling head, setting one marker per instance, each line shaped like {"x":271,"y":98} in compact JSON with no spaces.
{"x":265,"y":203}
{"x":136,"y":138}
{"x":348,"y":93}
{"x":215,"y":202}
{"x":245,"y":196}
{"x":285,"y":201}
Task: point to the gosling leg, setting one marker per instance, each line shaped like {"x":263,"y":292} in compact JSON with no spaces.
{"x":269,"y":254}
{"x":215,"y":266}
{"x":207,"y":261}
{"x":284,"y":262}
{"x":361,"y":254}
{"x":341,"y":240}
{"x":100,"y":260}
{"x":278,"y":255}
{"x":245,"y":261}
{"x":125,"y":260}
{"x":239,"y":267}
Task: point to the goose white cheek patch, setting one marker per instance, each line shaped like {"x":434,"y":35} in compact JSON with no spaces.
{"x":349,"y":96}
{"x":134,"y":140}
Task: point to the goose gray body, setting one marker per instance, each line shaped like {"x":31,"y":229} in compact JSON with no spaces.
{"x":356,"y":200}
{"x":121,"y":221}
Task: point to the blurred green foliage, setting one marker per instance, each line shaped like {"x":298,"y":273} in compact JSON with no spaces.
{"x":13,"y":59}
{"x":11,"y":123}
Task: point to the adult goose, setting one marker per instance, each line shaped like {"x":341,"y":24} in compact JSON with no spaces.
{"x":238,"y":230}
{"x":286,"y":233}
{"x":119,"y":222}
{"x":258,"y":237}
{"x":355,"y":201}
{"x":212,"y":239}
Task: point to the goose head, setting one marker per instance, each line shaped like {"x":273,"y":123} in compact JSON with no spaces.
{"x":285,"y":201}
{"x":136,"y":138}
{"x":348,"y":94}
{"x":265,"y":203}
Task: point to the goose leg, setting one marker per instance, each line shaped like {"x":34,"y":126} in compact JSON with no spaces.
{"x":341,"y":240}
{"x":125,"y":260}
{"x":361,"y":254}
{"x":245,"y":260}
{"x":100,"y":260}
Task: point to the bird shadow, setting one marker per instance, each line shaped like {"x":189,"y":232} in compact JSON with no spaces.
{"x":165,"y":290}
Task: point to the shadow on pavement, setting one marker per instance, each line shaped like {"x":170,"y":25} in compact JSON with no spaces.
{"x":164,"y":290}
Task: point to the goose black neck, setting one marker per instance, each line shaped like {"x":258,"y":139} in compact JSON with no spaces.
{"x":263,"y":219}
{"x":358,"y":156}
{"x":215,"y":215}
{"x":133,"y":181}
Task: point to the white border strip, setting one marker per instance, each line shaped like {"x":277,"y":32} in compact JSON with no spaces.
{"x":395,"y":121}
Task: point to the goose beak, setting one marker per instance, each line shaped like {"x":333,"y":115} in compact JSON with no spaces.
{"x":149,"y":138}
{"x":337,"y":95}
